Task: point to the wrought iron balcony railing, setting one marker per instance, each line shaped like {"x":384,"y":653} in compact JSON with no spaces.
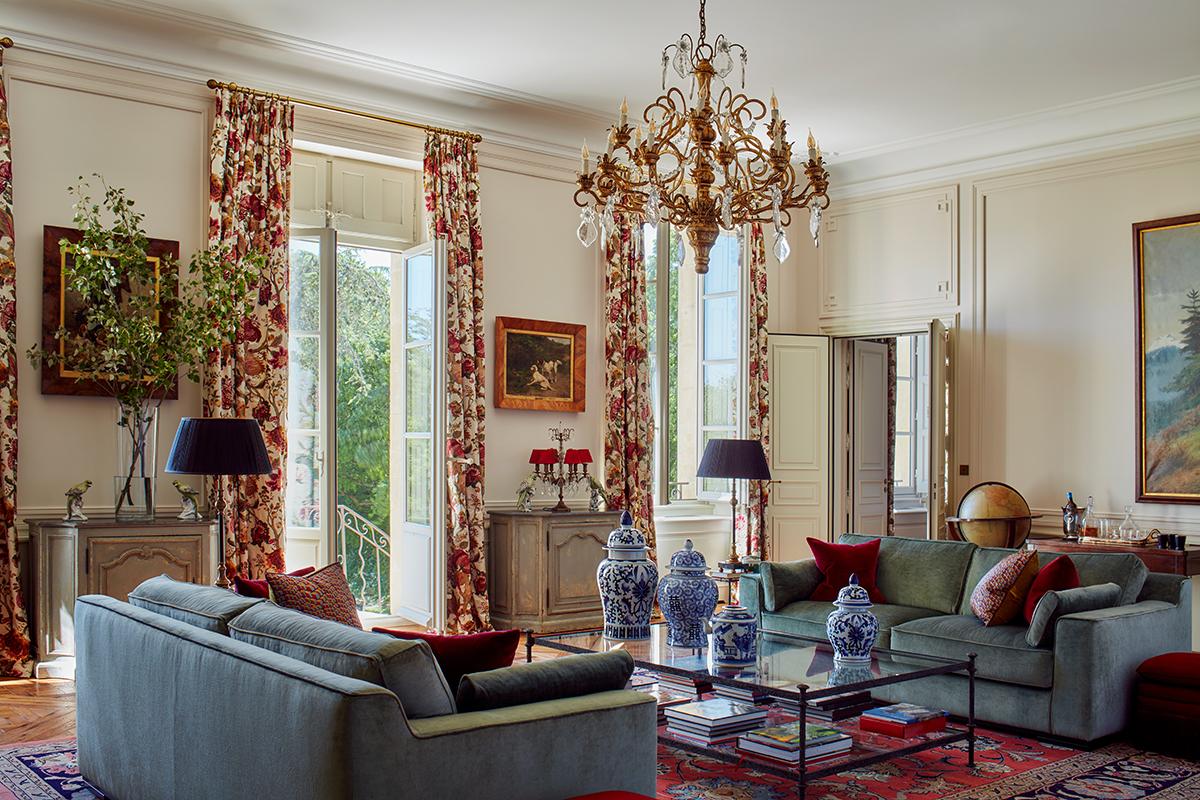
{"x":365,"y":550}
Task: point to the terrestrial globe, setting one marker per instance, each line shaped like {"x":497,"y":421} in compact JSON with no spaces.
{"x":993,"y":514}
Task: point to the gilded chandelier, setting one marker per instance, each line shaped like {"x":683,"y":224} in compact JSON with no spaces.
{"x":701,"y":167}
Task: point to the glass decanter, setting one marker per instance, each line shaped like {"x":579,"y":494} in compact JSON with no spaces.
{"x":1127,"y":531}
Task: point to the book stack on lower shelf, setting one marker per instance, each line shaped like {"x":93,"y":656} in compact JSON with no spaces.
{"x":713,"y":721}
{"x":903,"y":720}
{"x":782,"y":743}
{"x":834,"y":708}
{"x":739,"y":694}
{"x":690,"y":686}
{"x":647,"y":682}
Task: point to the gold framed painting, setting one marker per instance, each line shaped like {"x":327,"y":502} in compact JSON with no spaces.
{"x":1166,"y":257}
{"x":540,"y":366}
{"x":62,"y":307}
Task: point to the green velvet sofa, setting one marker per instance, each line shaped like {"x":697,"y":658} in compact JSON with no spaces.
{"x":195,"y":692}
{"x":1077,"y":687}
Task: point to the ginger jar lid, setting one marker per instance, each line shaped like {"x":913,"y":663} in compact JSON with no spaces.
{"x":626,"y":537}
{"x":853,"y":595}
{"x":688,"y":561}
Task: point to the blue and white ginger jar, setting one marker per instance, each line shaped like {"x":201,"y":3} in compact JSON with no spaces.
{"x":851,"y":627}
{"x":687,"y":597}
{"x":627,"y":580}
{"x":734,"y":637}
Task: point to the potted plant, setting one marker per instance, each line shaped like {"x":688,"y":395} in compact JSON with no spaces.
{"x":141,"y":325}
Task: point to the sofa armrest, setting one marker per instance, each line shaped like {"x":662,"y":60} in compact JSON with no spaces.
{"x":1096,"y":655}
{"x":750,"y":593}
{"x":510,"y":717}
{"x":785,"y":582}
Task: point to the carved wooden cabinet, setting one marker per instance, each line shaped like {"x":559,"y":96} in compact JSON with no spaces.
{"x":101,"y":555}
{"x":542,"y":568}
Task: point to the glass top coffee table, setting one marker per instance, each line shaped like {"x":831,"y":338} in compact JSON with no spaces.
{"x":796,"y":670}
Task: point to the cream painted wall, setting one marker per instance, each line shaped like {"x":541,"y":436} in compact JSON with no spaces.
{"x":1043,"y":353}
{"x":70,"y":120}
{"x":535,"y":267}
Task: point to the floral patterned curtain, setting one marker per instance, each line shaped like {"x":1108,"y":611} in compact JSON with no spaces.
{"x":452,"y":200}
{"x":628,"y":411}
{"x":758,"y":397}
{"x":249,"y":207}
{"x":14,"y":631}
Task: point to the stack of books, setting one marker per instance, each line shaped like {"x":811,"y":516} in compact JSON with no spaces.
{"x":756,"y":695}
{"x":642,"y":678}
{"x":834,"y":708}
{"x":903,"y":720}
{"x":713,"y":721}
{"x":686,"y":685}
{"x":782,"y":742}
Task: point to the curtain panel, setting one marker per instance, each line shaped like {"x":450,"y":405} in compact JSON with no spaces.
{"x":628,"y":410}
{"x":758,"y":396}
{"x":14,"y":630}
{"x":249,"y":209}
{"x":452,"y":203}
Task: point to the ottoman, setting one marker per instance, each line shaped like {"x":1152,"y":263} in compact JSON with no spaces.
{"x":1166,"y":704}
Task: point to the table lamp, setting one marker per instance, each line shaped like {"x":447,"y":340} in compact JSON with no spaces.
{"x":733,"y":459}
{"x":217,"y":447}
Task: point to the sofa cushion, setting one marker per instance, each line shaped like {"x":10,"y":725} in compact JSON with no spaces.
{"x":1000,"y":596}
{"x":1124,"y":569}
{"x":249,"y":587}
{"x":918,"y":572}
{"x":1056,"y":576}
{"x":555,"y":679}
{"x":785,"y":582}
{"x":207,"y":607}
{"x":1175,"y":669}
{"x":807,"y":618}
{"x":465,"y":652}
{"x":983,"y":560}
{"x":324,"y":594}
{"x":839,"y":562}
{"x":1068,"y":601}
{"x":1003,"y":654}
{"x":404,"y":667}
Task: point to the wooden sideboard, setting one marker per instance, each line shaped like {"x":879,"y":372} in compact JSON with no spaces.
{"x":1176,"y":562}
{"x":542,"y":568}
{"x":103,"y":555}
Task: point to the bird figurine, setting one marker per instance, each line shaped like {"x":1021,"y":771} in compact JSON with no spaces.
{"x":188,"y":501}
{"x":74,"y":497}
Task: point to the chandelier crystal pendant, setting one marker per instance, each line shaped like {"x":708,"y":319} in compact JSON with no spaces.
{"x":698,"y":163}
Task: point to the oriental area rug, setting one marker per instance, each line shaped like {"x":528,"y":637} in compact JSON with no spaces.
{"x":1007,"y":768}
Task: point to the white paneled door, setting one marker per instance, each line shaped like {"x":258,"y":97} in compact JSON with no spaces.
{"x":869,"y":444}
{"x":938,"y":370}
{"x":800,"y":437}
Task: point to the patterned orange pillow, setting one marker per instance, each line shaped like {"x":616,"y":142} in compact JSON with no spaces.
{"x":1000,"y":595}
{"x":324,"y":594}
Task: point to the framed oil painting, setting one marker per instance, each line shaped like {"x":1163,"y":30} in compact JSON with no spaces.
{"x":1166,"y":254}
{"x":64,"y":308}
{"x":540,"y":365}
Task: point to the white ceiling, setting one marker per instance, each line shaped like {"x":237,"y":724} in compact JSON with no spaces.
{"x":865,"y":74}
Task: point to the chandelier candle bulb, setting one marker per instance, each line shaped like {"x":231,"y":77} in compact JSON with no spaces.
{"x":813,"y":153}
{"x":585,"y":156}
{"x":624,"y":111}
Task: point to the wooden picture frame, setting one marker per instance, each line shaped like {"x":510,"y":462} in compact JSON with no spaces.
{"x":540,"y":366}
{"x":1167,"y":331}
{"x":57,"y":308}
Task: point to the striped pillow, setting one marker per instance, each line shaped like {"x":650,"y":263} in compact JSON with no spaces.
{"x":324,"y":594}
{"x":1000,"y":596}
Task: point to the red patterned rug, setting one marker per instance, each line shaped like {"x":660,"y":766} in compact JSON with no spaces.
{"x":1008,"y":768}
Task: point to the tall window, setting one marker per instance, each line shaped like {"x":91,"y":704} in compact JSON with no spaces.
{"x":911,"y":468}
{"x":696,"y":324}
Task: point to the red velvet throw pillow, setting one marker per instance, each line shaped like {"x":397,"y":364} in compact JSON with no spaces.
{"x":467,"y":652}
{"x":324,"y":594}
{"x":838,"y":562}
{"x":249,"y":587}
{"x":1060,"y":574}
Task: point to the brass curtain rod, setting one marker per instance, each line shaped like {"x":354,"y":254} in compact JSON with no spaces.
{"x":6,"y":42}
{"x":233,"y":87}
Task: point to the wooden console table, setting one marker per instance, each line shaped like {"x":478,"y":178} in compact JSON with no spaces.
{"x":1175,"y":562}
{"x":542,"y":568}
{"x":102,"y":555}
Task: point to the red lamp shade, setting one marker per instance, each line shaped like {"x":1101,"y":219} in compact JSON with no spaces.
{"x":547,"y":456}
{"x":533,"y":456}
{"x":578,"y":457}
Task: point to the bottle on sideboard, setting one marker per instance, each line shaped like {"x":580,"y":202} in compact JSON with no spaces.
{"x":1091,"y":523}
{"x":1070,"y":514}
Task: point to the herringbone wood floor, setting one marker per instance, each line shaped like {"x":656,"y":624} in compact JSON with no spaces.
{"x":31,"y":711}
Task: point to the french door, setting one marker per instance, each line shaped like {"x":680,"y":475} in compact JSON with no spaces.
{"x":363,"y":428}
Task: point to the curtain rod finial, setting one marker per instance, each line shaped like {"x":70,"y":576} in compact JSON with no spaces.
{"x":6,"y":42}
{"x":212,"y":83}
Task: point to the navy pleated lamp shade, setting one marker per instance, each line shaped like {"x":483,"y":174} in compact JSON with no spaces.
{"x":734,"y":458}
{"x":219,"y":446}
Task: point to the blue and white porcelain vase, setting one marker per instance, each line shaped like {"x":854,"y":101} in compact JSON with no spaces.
{"x":687,"y":597}
{"x":851,"y":627}
{"x":627,"y":580}
{"x":734,"y":637}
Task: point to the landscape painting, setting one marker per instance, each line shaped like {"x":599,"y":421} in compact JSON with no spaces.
{"x":1167,"y":263}
{"x":540,"y":365}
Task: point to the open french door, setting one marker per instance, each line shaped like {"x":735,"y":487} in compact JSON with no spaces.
{"x":869,"y":445}
{"x":939,"y":427}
